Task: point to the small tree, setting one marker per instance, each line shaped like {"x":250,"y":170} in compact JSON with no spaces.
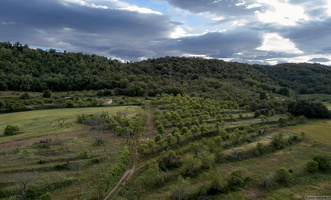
{"x":312,"y":166}
{"x":11,"y":130}
{"x":323,"y":161}
{"x":25,"y":96}
{"x":282,"y":176}
{"x":47,"y":93}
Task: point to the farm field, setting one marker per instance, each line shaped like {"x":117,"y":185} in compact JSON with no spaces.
{"x":208,"y":149}
{"x":50,"y":122}
{"x":56,"y":157}
{"x":319,"y":130}
{"x":177,"y":147}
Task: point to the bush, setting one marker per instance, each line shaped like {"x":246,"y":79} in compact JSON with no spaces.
{"x":11,"y":130}
{"x":41,"y":162}
{"x":46,"y":196}
{"x":59,"y":167}
{"x":323,"y":161}
{"x":2,"y":194}
{"x":32,"y":194}
{"x":312,"y":166}
{"x":69,"y":103}
{"x":25,"y":96}
{"x":278,"y":141}
{"x":282,"y":176}
{"x":47,"y":94}
{"x":238,"y":179}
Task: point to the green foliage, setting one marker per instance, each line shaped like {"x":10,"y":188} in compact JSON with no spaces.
{"x":84,"y":155}
{"x":312,"y":166}
{"x":47,"y":93}
{"x":2,"y":194}
{"x":11,"y":130}
{"x":183,"y":190}
{"x":278,"y":141}
{"x":154,"y":176}
{"x":41,"y":162}
{"x":323,"y":161}
{"x":31,"y":194}
{"x":282,"y":176}
{"x":69,"y":103}
{"x":238,"y":179}
{"x":60,"y":167}
{"x":309,"y":109}
{"x":25,"y":96}
{"x":46,"y":196}
{"x":142,"y":148}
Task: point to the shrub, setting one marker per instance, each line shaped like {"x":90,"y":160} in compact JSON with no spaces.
{"x":47,"y":94}
{"x":238,"y":179}
{"x":31,"y":194}
{"x":323,"y":160}
{"x":282,"y":176}
{"x":69,"y":103}
{"x":84,"y":155}
{"x":46,"y":196}
{"x":41,"y":162}
{"x":2,"y":194}
{"x":25,"y":96}
{"x":312,"y":166}
{"x":11,"y":130}
{"x":278,"y":141}
{"x":61,"y":167}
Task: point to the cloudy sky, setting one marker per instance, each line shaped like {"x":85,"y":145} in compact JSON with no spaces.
{"x":252,"y":31}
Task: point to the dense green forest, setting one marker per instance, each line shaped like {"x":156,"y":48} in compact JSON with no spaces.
{"x":25,"y":69}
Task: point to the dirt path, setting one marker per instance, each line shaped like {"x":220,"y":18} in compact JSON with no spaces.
{"x":149,"y":123}
{"x":134,"y":156}
{"x":117,"y":188}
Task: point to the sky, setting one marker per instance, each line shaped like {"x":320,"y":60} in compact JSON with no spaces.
{"x":250,"y":31}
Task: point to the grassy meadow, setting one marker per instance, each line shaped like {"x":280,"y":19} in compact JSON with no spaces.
{"x":70,"y":166}
{"x":51,"y":122}
{"x":318,"y":130}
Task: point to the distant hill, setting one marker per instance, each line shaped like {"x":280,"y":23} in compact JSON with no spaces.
{"x":25,"y":69}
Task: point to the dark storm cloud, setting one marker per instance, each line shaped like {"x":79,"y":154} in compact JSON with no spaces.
{"x":81,"y":28}
{"x":219,"y":7}
{"x":218,"y":44}
{"x":312,"y":37}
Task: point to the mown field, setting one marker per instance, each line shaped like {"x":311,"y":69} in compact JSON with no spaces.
{"x":58,"y":158}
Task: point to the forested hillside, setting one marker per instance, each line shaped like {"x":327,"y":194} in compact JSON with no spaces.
{"x":25,"y":69}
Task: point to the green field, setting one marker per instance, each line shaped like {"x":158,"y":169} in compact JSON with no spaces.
{"x":319,"y":130}
{"x":70,"y":166}
{"x":51,"y":122}
{"x":195,"y":144}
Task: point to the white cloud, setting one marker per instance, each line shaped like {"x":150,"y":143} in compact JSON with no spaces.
{"x":113,"y":4}
{"x":254,"y":5}
{"x":140,"y":10}
{"x":281,"y":13}
{"x":274,"y":42}
{"x":178,"y":33}
{"x":328,"y":6}
{"x":7,"y":23}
